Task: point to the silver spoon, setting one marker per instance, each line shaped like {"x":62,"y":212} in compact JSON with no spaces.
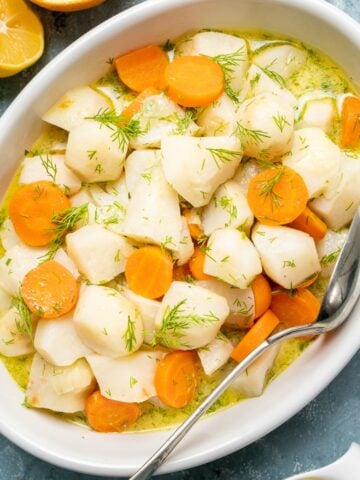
{"x":340,"y":298}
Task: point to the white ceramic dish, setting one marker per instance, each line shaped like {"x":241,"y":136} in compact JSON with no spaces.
{"x":313,"y":21}
{"x":345,"y":468}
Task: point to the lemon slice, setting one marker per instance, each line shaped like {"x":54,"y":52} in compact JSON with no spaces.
{"x":67,"y":5}
{"x":21,"y":37}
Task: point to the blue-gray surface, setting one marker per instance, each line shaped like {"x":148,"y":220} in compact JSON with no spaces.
{"x":319,"y":434}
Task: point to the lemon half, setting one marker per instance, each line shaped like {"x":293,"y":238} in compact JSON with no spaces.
{"x":21,"y":37}
{"x":67,"y":5}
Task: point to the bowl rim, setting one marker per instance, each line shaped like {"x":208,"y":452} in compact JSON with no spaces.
{"x":334,"y":17}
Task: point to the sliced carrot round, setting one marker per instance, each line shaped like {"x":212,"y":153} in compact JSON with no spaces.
{"x":50,"y":290}
{"x":294,"y":309}
{"x":310,"y":223}
{"x":149,"y":271}
{"x":31,"y":210}
{"x":194,"y":81}
{"x":350,"y":125}
{"x":257,"y":334}
{"x":196,"y":265}
{"x":142,"y":68}
{"x":277,"y":195}
{"x":105,"y":415}
{"x":176,"y":379}
{"x":262,"y":295}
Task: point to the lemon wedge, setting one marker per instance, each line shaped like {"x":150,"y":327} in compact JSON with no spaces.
{"x":21,"y":37}
{"x":67,"y":5}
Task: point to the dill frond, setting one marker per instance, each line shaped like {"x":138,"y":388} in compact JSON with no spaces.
{"x":223,"y":155}
{"x":24,"y":325}
{"x":248,"y":135}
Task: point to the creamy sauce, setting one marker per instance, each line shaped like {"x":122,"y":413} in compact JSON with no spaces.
{"x":319,"y":73}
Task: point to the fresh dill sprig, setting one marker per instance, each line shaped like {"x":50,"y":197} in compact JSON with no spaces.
{"x":242,"y":308}
{"x":167,"y":241}
{"x":228,"y":62}
{"x":123,"y":129}
{"x":129,"y":336}
{"x":175,"y":321}
{"x":267,"y":187}
{"x":251,"y":136}
{"x":280,"y":121}
{"x":64,"y":222}
{"x":276,"y":77}
{"x":330,"y":258}
{"x":49,"y":165}
{"x":223,"y":155}
{"x":226,"y":204}
{"x":24,"y":324}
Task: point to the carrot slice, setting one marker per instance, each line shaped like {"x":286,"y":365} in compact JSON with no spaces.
{"x":149,"y":271}
{"x":176,"y":379}
{"x":105,"y":415}
{"x":350,"y":123}
{"x":262,"y":295}
{"x":277,"y":195}
{"x":310,"y":223}
{"x":194,"y":81}
{"x":142,"y":68}
{"x":49,"y":290}
{"x":255,"y":336}
{"x":135,"y":106}
{"x":299,"y":308}
{"x":32,"y":208}
{"x":195,"y":231}
{"x":196,"y":265}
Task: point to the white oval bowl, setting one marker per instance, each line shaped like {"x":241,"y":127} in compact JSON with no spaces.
{"x":316,"y":23}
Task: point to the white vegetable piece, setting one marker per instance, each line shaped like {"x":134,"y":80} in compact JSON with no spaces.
{"x":195,"y":167}
{"x":258,"y":82}
{"x":282,"y":59}
{"x":214,"y":355}
{"x":63,"y":258}
{"x":241,"y":302}
{"x":108,"y":209}
{"x":81,"y":197}
{"x":219,"y":117}
{"x":57,"y":341}
{"x":8,"y":236}
{"x":158,"y":117}
{"x":338,"y":209}
{"x":139,"y":165}
{"x":72,"y":108}
{"x":118,"y":190}
{"x":232,"y":257}
{"x":153,"y":213}
{"x":107,"y":322}
{"x":329,"y":249}
{"x":228,"y":47}
{"x":93,"y":152}
{"x":12,"y":342}
{"x":51,"y":168}
{"x":62,"y":389}
{"x":20,"y":259}
{"x":228,"y":208}
{"x":196,"y":312}
{"x":245,"y":173}
{"x":319,"y":113}
{"x":289,"y":256}
{"x":5,"y":302}
{"x":148,"y":310}
{"x":183,"y":250}
{"x":99,"y":254}
{"x":129,"y":379}
{"x":265,"y":124}
{"x":252,"y":382}
{"x":316,"y":158}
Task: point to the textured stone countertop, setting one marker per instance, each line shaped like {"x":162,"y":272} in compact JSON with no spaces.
{"x":318,"y":435}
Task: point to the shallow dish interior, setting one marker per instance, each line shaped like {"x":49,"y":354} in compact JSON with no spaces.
{"x":316,"y":23}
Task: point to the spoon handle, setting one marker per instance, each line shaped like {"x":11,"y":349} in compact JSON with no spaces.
{"x":164,"y":451}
